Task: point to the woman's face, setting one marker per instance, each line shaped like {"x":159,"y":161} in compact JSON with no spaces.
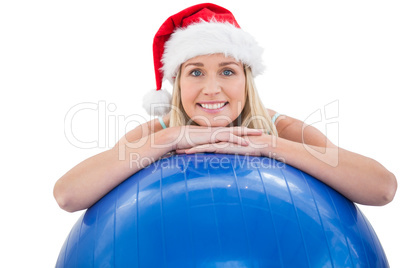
{"x":213,"y":89}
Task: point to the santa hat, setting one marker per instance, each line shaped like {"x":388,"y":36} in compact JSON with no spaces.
{"x":202,"y":29}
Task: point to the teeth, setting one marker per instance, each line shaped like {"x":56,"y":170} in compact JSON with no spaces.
{"x":212,"y":106}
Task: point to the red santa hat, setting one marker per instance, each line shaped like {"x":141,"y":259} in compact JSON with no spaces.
{"x":202,"y":29}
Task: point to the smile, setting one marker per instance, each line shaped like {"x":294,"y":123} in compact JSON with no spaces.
{"x":212,"y":106}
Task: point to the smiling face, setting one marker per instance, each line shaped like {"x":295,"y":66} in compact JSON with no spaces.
{"x":213,"y":89}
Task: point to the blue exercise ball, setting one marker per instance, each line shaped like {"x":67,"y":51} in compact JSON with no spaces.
{"x":211,"y":210}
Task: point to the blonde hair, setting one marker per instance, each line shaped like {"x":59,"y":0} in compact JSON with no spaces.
{"x":253,"y":115}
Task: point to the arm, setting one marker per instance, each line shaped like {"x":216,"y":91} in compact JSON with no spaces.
{"x":91,"y":179}
{"x":359,"y":178}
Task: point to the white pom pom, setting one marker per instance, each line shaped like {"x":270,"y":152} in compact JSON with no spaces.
{"x":157,"y":102}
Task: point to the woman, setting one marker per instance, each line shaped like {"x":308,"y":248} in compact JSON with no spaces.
{"x":215,"y":108}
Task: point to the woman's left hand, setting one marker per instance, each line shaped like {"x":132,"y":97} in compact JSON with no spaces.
{"x":257,"y":146}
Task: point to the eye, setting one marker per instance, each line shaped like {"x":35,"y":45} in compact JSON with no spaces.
{"x":196,"y":73}
{"x":227,"y":73}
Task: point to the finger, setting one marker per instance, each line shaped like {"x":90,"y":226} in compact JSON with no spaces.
{"x":221,"y":147}
{"x":237,"y":140}
{"x":245,"y":131}
{"x":224,"y":136}
{"x":230,"y":135}
{"x":206,"y":148}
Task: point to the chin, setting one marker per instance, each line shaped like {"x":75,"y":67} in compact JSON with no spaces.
{"x":226,"y":121}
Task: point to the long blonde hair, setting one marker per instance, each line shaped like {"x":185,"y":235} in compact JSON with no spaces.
{"x":253,"y":115}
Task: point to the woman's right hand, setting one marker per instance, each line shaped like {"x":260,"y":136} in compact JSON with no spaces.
{"x":186,"y":137}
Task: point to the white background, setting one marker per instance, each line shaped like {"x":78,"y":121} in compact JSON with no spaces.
{"x":57,"y":54}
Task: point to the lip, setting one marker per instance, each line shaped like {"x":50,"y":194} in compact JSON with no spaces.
{"x":211,"y":102}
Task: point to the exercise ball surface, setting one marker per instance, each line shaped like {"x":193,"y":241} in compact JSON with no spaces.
{"x":212,"y":210}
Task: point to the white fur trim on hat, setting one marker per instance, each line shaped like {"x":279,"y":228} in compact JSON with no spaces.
{"x":205,"y":38}
{"x":157,"y":102}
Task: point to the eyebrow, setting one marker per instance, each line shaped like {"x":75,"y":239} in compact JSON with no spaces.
{"x":199,"y":64}
{"x":228,"y":63}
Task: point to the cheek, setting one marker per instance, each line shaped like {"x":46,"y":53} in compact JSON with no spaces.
{"x":239,"y":104}
{"x":240,"y":93}
{"x":187,"y":96}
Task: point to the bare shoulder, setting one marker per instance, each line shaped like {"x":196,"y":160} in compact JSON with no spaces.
{"x":296,"y":130}
{"x":145,"y":129}
{"x":281,"y":121}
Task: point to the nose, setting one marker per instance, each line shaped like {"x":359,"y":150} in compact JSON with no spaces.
{"x":211,"y":86}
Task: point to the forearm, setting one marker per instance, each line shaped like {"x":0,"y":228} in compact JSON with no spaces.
{"x":90,"y":180}
{"x":360,"y":179}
